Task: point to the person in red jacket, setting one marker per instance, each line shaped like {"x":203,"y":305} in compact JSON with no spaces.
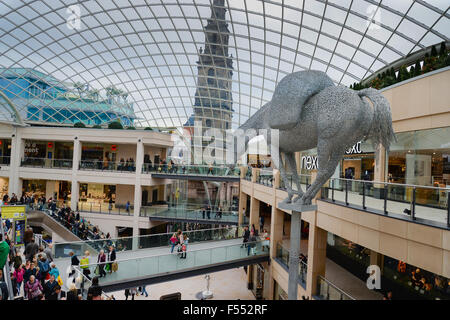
{"x":18,"y":274}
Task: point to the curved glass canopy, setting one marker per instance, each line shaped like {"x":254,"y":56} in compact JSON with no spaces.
{"x":157,"y":62}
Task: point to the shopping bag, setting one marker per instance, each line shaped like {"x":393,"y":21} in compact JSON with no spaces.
{"x":115,"y":266}
{"x":97,"y":271}
{"x":107,"y":267}
{"x":60,"y":282}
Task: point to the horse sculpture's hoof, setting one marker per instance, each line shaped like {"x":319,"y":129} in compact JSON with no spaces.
{"x":287,"y":200}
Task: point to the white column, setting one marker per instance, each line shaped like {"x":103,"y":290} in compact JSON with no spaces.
{"x":75,"y":189}
{"x":137,"y":191}
{"x":17,"y":152}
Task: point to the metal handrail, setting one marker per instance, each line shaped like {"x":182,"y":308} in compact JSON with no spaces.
{"x":148,"y":235}
{"x":336,"y":287}
{"x":392,"y":183}
{"x":174,"y":253}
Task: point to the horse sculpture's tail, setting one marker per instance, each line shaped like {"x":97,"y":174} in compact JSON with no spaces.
{"x":381,"y":131}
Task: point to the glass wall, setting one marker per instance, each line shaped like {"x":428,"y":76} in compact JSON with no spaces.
{"x":279,"y":293}
{"x":421,"y":157}
{"x":35,"y":187}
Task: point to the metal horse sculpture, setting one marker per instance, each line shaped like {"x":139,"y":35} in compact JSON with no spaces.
{"x":310,"y":111}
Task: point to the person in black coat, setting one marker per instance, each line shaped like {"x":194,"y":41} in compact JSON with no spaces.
{"x":111,"y":257}
{"x":246,"y":236}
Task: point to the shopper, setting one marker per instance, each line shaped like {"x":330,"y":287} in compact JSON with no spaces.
{"x":84,"y":265}
{"x":245,"y":236}
{"x":33,"y":289}
{"x":18,"y":274}
{"x":95,"y":290}
{"x":127,"y":207}
{"x":111,"y":258}
{"x":101,"y":260}
{"x":173,"y":242}
{"x":184,"y":246}
{"x":31,"y":249}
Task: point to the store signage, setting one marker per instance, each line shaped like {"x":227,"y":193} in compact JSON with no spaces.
{"x":312,"y":163}
{"x":50,"y":145}
{"x":113,"y":147}
{"x":356,"y":149}
{"x":31,"y":147}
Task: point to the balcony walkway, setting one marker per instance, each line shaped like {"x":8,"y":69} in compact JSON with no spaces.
{"x":182,"y":214}
{"x":424,"y":214}
{"x":155,"y":265}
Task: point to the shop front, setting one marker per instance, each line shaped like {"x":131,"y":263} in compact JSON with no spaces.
{"x":421,"y":158}
{"x":5,"y":151}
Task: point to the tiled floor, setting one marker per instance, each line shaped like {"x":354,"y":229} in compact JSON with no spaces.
{"x":225,"y":285}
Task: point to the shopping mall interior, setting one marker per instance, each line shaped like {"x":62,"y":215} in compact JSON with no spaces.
{"x":115,"y":179}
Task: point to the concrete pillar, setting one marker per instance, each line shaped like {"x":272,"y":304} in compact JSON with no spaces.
{"x":380,"y":163}
{"x":317,"y":249}
{"x":276,"y":179}
{"x":253,"y":220}
{"x":75,"y":188}
{"x":51,"y":186}
{"x":276,"y":230}
{"x":376,"y":259}
{"x":137,"y":192}
{"x":17,"y":152}
{"x":242,"y":206}
{"x":254,"y":213}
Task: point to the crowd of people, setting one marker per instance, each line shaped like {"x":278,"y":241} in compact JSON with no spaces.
{"x":179,"y":240}
{"x":251,"y":236}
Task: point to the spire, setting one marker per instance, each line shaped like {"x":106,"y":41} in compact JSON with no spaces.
{"x":218,"y":10}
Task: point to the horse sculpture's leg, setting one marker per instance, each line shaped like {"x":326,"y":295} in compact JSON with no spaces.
{"x":290,"y":158}
{"x":328,"y":158}
{"x":279,"y":165}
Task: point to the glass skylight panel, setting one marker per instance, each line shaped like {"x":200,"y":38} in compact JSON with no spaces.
{"x":423,"y":14}
{"x":145,"y":47}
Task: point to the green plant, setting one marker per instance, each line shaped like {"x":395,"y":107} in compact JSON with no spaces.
{"x":417,"y":69}
{"x":149,"y":128}
{"x":115,"y":125}
{"x":131,"y":128}
{"x":79,"y":125}
{"x":97,"y":126}
{"x":434,"y":51}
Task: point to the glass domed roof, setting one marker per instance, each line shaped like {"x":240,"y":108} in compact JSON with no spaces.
{"x":151,"y":62}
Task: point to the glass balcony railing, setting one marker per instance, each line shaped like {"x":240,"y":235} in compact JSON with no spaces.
{"x":420,"y":203}
{"x":98,"y":165}
{"x":184,"y":213}
{"x":105,"y":208}
{"x":203,"y":170}
{"x":248,"y":174}
{"x":328,"y":291}
{"x":5,"y":160}
{"x":305,"y":180}
{"x":283,"y":257}
{"x":46,"y":163}
{"x":62,"y":250}
{"x":265,"y":177}
{"x":170,"y":262}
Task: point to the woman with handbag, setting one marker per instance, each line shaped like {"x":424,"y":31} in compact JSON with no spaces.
{"x":33,"y":288}
{"x":112,"y":259}
{"x":101,"y":260}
